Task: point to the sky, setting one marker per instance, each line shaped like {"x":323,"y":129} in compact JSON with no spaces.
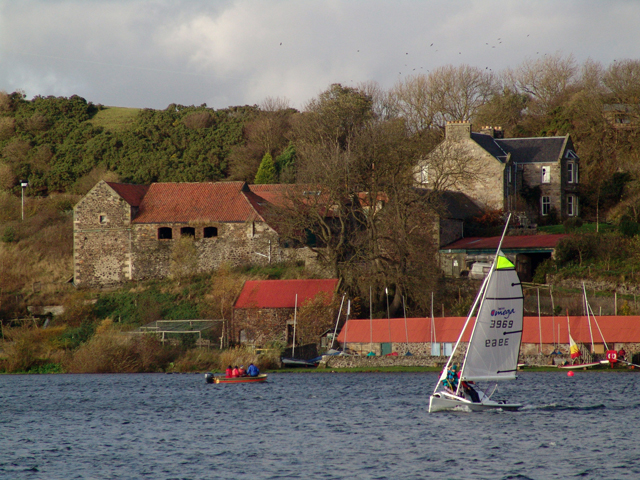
{"x":223,"y":53}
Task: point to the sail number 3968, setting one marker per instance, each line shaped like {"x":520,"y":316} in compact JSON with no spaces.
{"x":501,"y":324}
{"x":496,"y":342}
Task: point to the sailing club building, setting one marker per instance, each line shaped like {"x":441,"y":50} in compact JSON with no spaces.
{"x":541,"y":335}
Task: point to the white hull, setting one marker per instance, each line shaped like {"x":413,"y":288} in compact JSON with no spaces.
{"x":444,"y":401}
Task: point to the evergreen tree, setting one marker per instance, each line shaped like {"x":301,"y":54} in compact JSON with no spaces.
{"x":266,"y":171}
{"x":285,"y":165}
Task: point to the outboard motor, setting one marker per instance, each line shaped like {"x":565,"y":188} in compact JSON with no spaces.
{"x":208,"y":377}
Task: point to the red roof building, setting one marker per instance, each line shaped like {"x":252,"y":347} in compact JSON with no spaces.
{"x":282,"y":293}
{"x":546,"y":331}
{"x":265,"y":309}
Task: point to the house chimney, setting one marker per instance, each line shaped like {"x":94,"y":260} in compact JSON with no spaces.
{"x":457,"y":130}
{"x":493,"y":132}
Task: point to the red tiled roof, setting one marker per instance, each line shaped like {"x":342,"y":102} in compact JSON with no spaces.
{"x":282,"y":293}
{"x":186,"y":202}
{"x":615,"y":329}
{"x":132,"y":194}
{"x":511,"y":241}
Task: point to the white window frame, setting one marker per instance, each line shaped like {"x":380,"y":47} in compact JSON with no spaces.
{"x":546,"y":174}
{"x":572,"y":172}
{"x":509,"y":175}
{"x":545,"y":201}
{"x":572,"y":206}
{"x":424,"y":174}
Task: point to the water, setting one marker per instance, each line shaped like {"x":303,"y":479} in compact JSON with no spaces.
{"x":315,"y":425}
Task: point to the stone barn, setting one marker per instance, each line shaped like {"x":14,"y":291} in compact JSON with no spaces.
{"x":264,"y":310}
{"x":128,"y":232}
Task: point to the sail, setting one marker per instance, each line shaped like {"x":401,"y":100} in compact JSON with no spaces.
{"x":573,"y":348}
{"x":494,"y":346}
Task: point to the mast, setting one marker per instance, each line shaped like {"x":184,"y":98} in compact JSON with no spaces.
{"x":586,"y":307}
{"x":295,"y":313}
{"x":335,"y":330}
{"x":406,"y":330}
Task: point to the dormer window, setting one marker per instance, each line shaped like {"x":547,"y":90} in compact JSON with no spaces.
{"x":571,"y":154}
{"x":103,"y":220}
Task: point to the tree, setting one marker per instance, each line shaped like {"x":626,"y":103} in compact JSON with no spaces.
{"x":266,"y":171}
{"x":286,"y":164}
{"x":546,"y":79}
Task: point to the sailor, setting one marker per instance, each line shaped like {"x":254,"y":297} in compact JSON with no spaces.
{"x":242,"y":372}
{"x":622,"y":354}
{"x":235,"y":373}
{"x":253,"y":371}
{"x":471,"y":392}
{"x":229,"y":372}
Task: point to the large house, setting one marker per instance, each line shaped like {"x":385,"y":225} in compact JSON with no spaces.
{"x":127,"y":232}
{"x":506,"y":173}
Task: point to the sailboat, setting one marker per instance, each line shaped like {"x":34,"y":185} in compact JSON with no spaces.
{"x":494,"y":346}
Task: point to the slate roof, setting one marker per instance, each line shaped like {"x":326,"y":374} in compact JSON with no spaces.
{"x":282,"y":293}
{"x":615,"y":329}
{"x":186,"y":202}
{"x":533,"y":150}
{"x":522,"y":150}
{"x":132,"y":194}
{"x":459,"y":206}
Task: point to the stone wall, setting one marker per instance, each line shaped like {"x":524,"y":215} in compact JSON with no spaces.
{"x":261,"y":325}
{"x":102,"y":238}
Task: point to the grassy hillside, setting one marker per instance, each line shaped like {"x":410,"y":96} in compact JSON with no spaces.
{"x":114,"y":118}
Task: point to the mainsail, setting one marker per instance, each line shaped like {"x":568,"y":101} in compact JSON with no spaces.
{"x":494,"y":346}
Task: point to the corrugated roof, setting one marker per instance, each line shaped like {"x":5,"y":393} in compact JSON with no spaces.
{"x":187,"y":202}
{"x":615,"y":329}
{"x":510,"y":241}
{"x":132,"y":194}
{"x":282,"y":293}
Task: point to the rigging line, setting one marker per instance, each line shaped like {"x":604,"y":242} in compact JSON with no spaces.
{"x":135,"y":67}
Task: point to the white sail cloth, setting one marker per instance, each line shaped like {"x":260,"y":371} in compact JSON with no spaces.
{"x":494,"y":346}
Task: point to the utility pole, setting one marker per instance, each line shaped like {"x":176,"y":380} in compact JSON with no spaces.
{"x":24,"y":184}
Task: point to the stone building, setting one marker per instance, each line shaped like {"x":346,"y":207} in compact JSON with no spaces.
{"x":131,"y":232}
{"x":264,"y":310}
{"x":506,"y":173}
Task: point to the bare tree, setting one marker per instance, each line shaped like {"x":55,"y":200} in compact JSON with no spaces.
{"x":546,"y":79}
{"x":622,"y":80}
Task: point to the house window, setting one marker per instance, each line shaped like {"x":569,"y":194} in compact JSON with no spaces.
{"x":572,"y":172}
{"x":572,"y":205}
{"x":103,"y":219}
{"x":187,"y":232}
{"x":165,"y":233}
{"x":424,"y":174}
{"x":210,"y":232}
{"x":546,"y":205}
{"x":546,"y":174}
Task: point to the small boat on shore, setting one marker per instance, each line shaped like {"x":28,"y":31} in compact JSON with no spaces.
{"x":211,"y":378}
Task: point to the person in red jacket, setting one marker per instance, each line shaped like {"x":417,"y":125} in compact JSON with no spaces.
{"x":242,"y":372}
{"x":229,"y":372}
{"x":235,"y":373}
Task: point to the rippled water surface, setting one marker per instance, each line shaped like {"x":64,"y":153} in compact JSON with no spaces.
{"x":314,"y":425}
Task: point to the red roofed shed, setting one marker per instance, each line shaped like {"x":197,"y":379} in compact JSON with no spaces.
{"x":366,"y":335}
{"x":264,"y":310}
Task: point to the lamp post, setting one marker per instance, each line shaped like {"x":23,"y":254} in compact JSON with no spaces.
{"x":24,"y":184}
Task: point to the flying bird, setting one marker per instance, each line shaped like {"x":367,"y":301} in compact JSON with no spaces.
{"x":431,"y":45}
